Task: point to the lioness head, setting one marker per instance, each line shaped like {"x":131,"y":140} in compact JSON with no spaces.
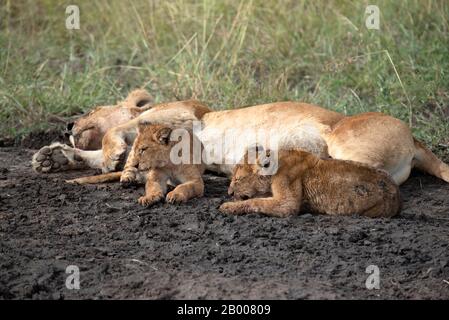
{"x":87,"y":131}
{"x":248,"y":179}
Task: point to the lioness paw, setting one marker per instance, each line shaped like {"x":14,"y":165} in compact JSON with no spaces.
{"x":114,"y":155}
{"x":56,"y":157}
{"x":148,"y":200}
{"x":176,"y":197}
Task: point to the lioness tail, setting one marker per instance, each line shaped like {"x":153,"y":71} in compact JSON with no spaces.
{"x":428,"y":162}
{"x":106,"y":177}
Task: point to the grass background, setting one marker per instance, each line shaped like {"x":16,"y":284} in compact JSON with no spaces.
{"x":227,"y":54}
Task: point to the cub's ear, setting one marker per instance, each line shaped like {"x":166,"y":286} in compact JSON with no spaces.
{"x":252,"y":153}
{"x":256,"y":148}
{"x":268,"y":153}
{"x":163,"y":135}
{"x":142,"y":126}
{"x":264,"y":158}
{"x":265,"y":162}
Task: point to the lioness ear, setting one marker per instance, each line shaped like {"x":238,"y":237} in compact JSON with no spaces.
{"x":138,"y":98}
{"x":163,"y":135}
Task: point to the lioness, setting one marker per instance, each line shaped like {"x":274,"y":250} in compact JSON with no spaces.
{"x":152,"y":160}
{"x":304,"y":181}
{"x":371,"y":138}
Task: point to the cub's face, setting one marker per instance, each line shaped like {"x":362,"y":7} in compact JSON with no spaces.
{"x":247,"y":180}
{"x":152,"y":147}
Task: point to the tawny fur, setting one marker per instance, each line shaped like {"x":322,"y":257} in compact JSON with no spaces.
{"x":150,"y":160}
{"x":151,"y":151}
{"x":88,"y":130}
{"x":371,"y":138}
{"x":304,"y":181}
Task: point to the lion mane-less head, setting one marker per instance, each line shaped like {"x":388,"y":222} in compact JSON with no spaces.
{"x":152,"y":146}
{"x":247,"y":179}
{"x":87,"y":131}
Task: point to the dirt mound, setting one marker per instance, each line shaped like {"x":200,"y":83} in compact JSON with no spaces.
{"x":192,"y":251}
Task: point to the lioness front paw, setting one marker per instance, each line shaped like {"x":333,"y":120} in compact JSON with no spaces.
{"x":148,"y":200}
{"x":176,"y":197}
{"x":56,"y":157}
{"x":234,"y":208}
{"x":114,"y":155}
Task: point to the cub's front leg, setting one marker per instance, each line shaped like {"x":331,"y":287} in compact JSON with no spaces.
{"x":286,"y":200}
{"x":191,"y":188}
{"x":130,"y":171}
{"x":155,"y":188}
{"x":268,"y":206}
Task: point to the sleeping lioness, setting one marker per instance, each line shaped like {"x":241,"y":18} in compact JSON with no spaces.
{"x":304,"y":181}
{"x":372,"y":138}
{"x":152,"y":160}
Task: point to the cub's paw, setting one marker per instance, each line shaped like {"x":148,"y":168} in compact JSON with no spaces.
{"x":148,"y":200}
{"x":176,"y":197}
{"x":56,"y":157}
{"x":128,"y":178}
{"x":234,"y":208}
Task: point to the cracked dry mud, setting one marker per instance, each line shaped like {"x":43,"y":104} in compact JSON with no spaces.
{"x":193,"y":251}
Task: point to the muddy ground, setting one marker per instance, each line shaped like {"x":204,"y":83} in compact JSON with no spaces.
{"x":192,"y":251}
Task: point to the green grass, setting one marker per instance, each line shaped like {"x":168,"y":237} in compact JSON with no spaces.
{"x":227,"y":54}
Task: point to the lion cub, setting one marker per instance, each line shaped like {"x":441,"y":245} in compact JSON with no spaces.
{"x":152,"y":152}
{"x":304,"y":181}
{"x":151,"y":161}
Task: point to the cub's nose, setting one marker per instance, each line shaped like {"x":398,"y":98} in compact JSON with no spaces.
{"x":230,"y":192}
